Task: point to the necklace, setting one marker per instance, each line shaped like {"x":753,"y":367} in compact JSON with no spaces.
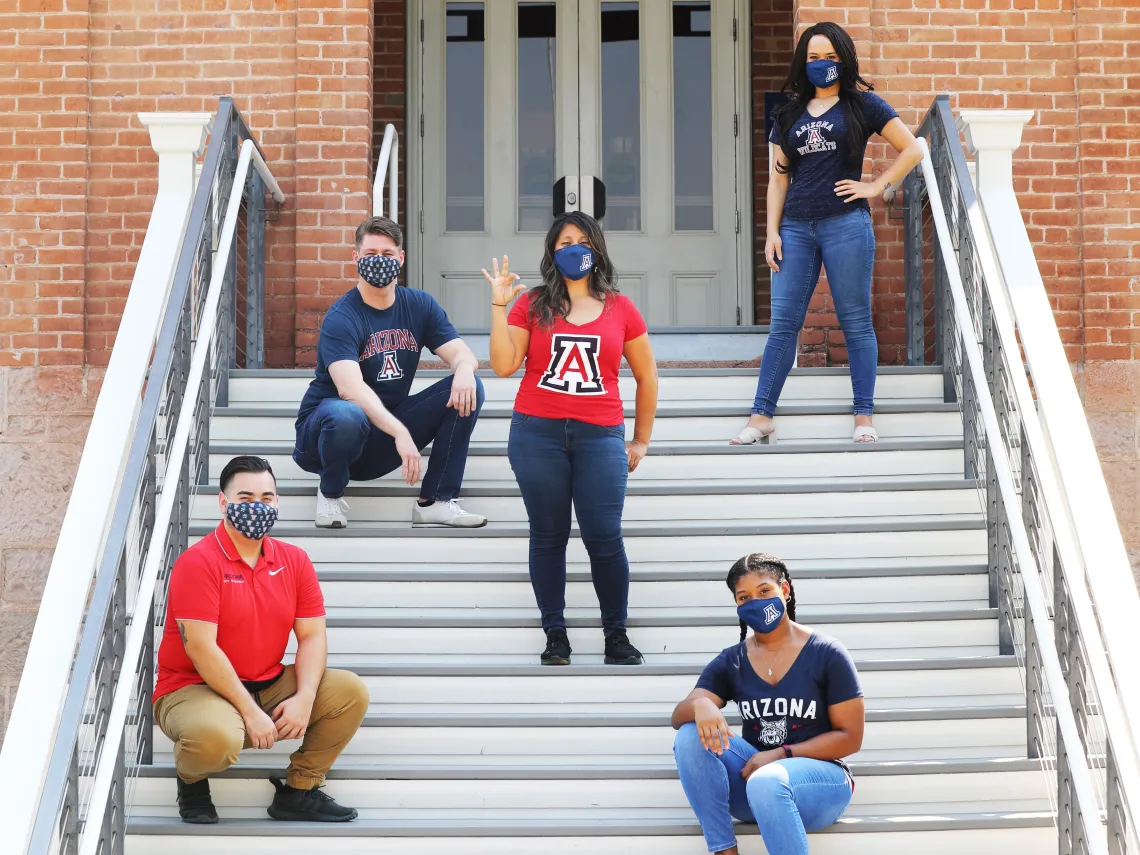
{"x":776,"y":659}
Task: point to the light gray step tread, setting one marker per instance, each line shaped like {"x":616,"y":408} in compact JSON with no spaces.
{"x":719,"y":487}
{"x":669,"y":410}
{"x":587,"y":826}
{"x":799,"y":446}
{"x":658,"y":528}
{"x":373,"y":617}
{"x":638,"y":770}
{"x":924,"y":566}
{"x":654,"y":667}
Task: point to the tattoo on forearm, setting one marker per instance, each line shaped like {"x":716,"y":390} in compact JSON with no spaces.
{"x":182,"y":632}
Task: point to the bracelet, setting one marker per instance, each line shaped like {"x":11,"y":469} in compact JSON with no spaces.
{"x":500,"y":305}
{"x":787,"y":750}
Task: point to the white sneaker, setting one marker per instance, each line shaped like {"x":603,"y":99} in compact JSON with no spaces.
{"x":448,"y":512}
{"x":330,"y":512}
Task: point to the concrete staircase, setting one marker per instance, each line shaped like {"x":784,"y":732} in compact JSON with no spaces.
{"x":471,"y":747}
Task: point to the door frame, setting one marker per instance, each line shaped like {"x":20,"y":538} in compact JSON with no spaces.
{"x":744,"y":186}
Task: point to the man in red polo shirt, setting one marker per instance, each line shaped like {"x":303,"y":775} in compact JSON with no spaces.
{"x":234,"y":598}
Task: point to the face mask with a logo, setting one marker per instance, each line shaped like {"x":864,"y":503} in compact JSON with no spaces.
{"x":575,"y":261}
{"x":252,"y":519}
{"x":824,"y":72}
{"x":762,"y":616}
{"x":378,"y":270}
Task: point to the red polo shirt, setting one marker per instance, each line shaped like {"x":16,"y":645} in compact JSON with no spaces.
{"x":254,"y":609}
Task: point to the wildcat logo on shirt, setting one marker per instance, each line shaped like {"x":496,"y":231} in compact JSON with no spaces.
{"x":387,"y":343}
{"x":573,"y":368}
{"x":816,"y":142}
{"x":774,"y":732}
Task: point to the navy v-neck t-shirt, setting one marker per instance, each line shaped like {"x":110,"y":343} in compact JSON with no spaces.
{"x":822,"y":144}
{"x":795,"y":709}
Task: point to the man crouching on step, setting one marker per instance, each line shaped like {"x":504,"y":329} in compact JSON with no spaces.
{"x":234,"y":596}
{"x":357,"y":420}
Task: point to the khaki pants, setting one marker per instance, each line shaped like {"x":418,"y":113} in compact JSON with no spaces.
{"x":208,"y":732}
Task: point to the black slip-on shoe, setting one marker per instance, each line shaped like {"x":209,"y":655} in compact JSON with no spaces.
{"x":557,"y":650}
{"x":194,"y":803}
{"x":620,"y":652}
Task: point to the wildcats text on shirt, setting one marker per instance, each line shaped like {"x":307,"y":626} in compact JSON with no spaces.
{"x":815,"y":142}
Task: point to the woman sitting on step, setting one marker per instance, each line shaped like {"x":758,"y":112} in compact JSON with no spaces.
{"x":802,"y":712}
{"x":567,"y":442}
{"x":818,"y":214}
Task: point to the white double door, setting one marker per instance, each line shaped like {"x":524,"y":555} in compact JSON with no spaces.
{"x":648,"y":97}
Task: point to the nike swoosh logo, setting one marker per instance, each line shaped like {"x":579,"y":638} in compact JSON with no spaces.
{"x":275,"y":572}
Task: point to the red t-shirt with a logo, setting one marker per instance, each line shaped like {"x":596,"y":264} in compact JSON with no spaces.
{"x":253,"y":607}
{"x":571,"y":371}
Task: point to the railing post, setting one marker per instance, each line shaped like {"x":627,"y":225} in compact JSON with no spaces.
{"x":69,"y":815}
{"x":255,"y":274}
{"x":912,"y":260}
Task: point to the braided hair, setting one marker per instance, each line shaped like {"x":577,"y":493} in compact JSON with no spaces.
{"x":766,"y":565}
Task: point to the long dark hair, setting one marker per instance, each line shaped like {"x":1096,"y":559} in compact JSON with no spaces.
{"x":800,"y":91}
{"x":765,"y":565}
{"x":551,"y":300}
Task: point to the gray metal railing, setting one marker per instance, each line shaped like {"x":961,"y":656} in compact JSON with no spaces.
{"x":935,"y":337}
{"x":98,"y":666}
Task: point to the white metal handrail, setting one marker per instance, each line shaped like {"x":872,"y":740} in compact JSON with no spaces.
{"x":387,"y":165}
{"x":1003,"y":474}
{"x":175,"y":456}
{"x":1093,"y":542}
{"x":34,"y":723}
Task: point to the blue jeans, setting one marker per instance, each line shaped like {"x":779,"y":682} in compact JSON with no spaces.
{"x":786,"y":799}
{"x":562,"y":461}
{"x":337,"y":442}
{"x":845,"y":245}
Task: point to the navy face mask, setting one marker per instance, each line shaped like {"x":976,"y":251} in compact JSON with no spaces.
{"x":824,"y":72}
{"x":762,"y":616}
{"x":378,"y":270}
{"x":252,"y":519}
{"x":575,"y":261}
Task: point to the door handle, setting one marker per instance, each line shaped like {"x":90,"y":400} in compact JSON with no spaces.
{"x":585,"y":193}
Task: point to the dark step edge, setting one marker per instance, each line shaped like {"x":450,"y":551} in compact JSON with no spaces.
{"x":872,"y":525}
{"x":590,"y":772}
{"x":856,"y":484}
{"x":585,"y":828}
{"x":284,"y":373}
{"x":523,"y":576}
{"x":477,"y":622}
{"x":665,"y":449}
{"x":649,"y":669}
{"x":498,"y":410}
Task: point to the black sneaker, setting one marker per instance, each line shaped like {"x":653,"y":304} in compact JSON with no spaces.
{"x":557,"y":650}
{"x":293,"y":805}
{"x":620,"y":652}
{"x":194,"y":803}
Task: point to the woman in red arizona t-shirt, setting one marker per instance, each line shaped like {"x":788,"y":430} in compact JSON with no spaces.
{"x":567,"y":443}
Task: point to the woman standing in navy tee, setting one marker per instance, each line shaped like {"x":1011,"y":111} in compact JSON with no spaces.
{"x":567,"y":444}
{"x":801,"y":708}
{"x":818,"y":215}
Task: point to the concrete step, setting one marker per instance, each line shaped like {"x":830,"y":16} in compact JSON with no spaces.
{"x":909,"y":791}
{"x":698,"y":387}
{"x":687,"y":423}
{"x":489,"y":737}
{"x":923,"y":457}
{"x":1016,"y":833}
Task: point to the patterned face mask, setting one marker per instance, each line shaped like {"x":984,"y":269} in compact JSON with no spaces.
{"x":378,"y":270}
{"x":252,"y":519}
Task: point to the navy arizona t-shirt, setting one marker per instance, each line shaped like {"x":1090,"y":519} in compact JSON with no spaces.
{"x":386,"y":343}
{"x":795,"y":709}
{"x":822,"y":145}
